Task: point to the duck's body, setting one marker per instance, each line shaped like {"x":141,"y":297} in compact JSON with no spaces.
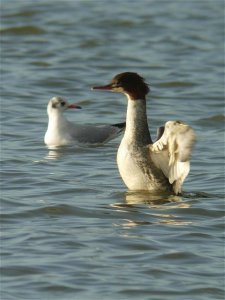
{"x":134,"y":162}
{"x":143,"y":165}
{"x":61,"y":132}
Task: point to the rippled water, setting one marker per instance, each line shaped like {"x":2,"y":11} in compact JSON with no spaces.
{"x":70,"y":229}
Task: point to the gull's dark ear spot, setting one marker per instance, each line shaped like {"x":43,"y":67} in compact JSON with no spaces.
{"x":53,"y":105}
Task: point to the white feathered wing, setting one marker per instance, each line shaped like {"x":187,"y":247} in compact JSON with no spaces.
{"x":172,"y":151}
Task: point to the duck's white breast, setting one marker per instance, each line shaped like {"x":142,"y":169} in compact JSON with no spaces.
{"x":130,"y":171}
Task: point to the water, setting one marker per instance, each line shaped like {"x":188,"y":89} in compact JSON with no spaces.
{"x":70,"y":228}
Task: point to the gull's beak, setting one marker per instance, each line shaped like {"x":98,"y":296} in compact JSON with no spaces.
{"x":74,"y":106}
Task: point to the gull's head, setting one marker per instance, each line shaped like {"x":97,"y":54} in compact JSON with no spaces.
{"x":59,"y":105}
{"x":129,"y":83}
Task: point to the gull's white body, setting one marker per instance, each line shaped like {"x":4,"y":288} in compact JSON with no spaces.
{"x":61,"y":132}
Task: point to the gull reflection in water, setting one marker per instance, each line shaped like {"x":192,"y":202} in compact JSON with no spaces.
{"x":57,"y":152}
{"x":54,"y":154}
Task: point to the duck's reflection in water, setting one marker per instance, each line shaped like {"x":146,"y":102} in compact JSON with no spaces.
{"x":162,"y":209}
{"x":153,"y":199}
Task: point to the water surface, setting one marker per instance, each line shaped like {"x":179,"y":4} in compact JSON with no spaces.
{"x":70,"y":228}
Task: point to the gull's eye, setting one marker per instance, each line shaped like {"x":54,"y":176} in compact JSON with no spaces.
{"x":63,"y":103}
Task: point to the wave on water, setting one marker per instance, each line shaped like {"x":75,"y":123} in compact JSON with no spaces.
{"x":213,"y":120}
{"x":22,"y":30}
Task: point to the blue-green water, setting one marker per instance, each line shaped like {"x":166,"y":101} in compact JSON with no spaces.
{"x":70,"y":229}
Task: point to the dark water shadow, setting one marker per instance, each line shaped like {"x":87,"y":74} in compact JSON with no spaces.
{"x":202,"y":195}
{"x":153,"y":199}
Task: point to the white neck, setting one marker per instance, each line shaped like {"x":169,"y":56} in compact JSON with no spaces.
{"x":57,"y":130}
{"x":136,"y":122}
{"x":56,"y":120}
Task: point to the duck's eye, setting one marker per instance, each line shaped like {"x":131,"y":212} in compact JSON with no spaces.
{"x":117,"y":84}
{"x":63,"y":103}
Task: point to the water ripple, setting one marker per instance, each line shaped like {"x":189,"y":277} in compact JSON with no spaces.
{"x":22,"y":30}
{"x":70,"y":229}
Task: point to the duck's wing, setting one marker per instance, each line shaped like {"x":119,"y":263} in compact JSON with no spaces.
{"x":172,"y":151}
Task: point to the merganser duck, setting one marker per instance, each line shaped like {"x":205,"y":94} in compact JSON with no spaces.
{"x":144,"y":165}
{"x":61,"y":132}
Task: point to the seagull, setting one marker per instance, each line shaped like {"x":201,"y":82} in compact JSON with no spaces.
{"x":144,"y":165}
{"x":61,"y":132}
